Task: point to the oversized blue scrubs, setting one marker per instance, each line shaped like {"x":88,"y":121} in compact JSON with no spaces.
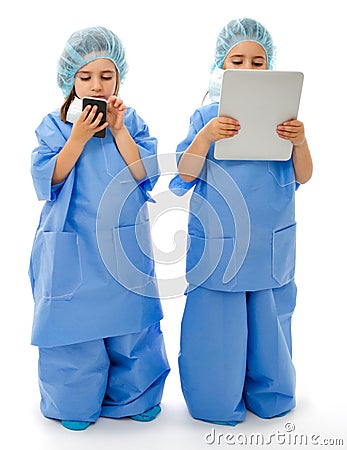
{"x":101,"y":347}
{"x":236,"y":328}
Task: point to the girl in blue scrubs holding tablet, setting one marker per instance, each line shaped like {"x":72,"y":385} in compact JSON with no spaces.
{"x":236,"y":328}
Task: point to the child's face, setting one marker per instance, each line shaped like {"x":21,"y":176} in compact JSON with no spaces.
{"x":246,"y":55}
{"x":96,"y":79}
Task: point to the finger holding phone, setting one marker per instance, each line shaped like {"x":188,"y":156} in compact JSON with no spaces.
{"x":89,"y":123}
{"x":82,"y":131}
{"x":115,"y":113}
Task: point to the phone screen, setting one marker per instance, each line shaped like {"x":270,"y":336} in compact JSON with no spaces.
{"x":102,"y":106}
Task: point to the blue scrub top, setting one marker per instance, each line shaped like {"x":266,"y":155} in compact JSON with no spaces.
{"x":77,"y":298}
{"x":241,"y":223}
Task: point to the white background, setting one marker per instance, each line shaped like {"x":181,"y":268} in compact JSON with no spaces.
{"x":170,"y":46}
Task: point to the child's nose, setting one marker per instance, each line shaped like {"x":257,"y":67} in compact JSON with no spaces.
{"x":96,"y":85}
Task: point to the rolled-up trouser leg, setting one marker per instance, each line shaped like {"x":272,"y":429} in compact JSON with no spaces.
{"x":138,"y":369}
{"x":72,"y":380}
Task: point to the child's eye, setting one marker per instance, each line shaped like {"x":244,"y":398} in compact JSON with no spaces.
{"x":104,"y":77}
{"x":258,"y":63}
{"x":237,"y":63}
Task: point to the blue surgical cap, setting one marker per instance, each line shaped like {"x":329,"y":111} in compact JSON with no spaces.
{"x":242,"y":30}
{"x":85,"y":46}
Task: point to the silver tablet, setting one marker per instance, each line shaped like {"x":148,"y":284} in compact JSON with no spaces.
{"x":260,"y":100}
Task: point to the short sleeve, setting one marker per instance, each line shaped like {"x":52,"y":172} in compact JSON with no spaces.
{"x":43,"y":158}
{"x":147,"y":147}
{"x":177,"y":185}
{"x":180,"y":187}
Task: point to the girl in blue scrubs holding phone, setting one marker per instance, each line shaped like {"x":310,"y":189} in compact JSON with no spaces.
{"x":101,"y":350}
{"x":236,"y":328}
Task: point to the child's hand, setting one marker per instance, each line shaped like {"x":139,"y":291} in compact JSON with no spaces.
{"x":293,"y":130}
{"x":220,"y":128}
{"x":84,"y":127}
{"x":115,"y":113}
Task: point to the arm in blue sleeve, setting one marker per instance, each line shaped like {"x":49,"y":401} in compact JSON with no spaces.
{"x":44,"y":157}
{"x":146,"y":185}
{"x":177,"y":185}
{"x":147,"y":147}
{"x":180,"y":187}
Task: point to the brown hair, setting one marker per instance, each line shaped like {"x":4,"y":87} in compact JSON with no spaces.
{"x":70,"y":98}
{"x":204,"y":98}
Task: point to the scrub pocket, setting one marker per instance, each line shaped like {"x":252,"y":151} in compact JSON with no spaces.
{"x":283,"y":254}
{"x":133,"y":251}
{"x":211,"y":263}
{"x":282,"y":171}
{"x":60,"y":269}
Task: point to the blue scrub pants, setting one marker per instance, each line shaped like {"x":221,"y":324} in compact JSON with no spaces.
{"x":112,"y":377}
{"x":236,"y":353}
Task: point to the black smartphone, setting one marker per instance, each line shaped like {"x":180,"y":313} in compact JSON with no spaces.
{"x":102,"y":106}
